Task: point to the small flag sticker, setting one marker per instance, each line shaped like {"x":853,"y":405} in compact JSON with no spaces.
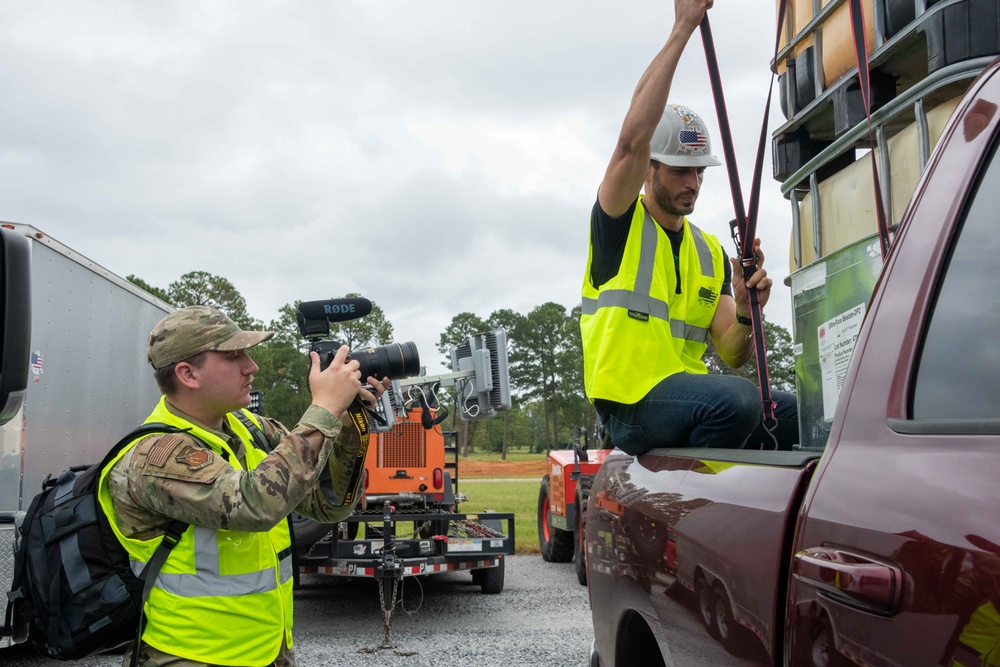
{"x":693,"y":140}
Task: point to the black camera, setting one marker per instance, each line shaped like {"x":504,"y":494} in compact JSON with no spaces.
{"x":395,"y":361}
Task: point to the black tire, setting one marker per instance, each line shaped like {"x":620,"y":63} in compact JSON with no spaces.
{"x":648,"y":536}
{"x":823,"y":650}
{"x":733,"y":636}
{"x":556,"y":545}
{"x":583,"y":487}
{"x":706,"y":609}
{"x":308,"y":532}
{"x":491,"y":579}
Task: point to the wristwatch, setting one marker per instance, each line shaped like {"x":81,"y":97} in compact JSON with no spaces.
{"x":744,"y":320}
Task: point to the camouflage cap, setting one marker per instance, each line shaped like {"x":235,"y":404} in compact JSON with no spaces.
{"x":189,"y":331}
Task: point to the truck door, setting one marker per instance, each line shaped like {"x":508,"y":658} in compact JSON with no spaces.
{"x":897,"y":555}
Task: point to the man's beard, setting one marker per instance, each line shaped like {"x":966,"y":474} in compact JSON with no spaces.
{"x":666,"y":202}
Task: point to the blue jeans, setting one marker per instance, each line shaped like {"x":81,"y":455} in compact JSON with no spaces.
{"x":688,"y":410}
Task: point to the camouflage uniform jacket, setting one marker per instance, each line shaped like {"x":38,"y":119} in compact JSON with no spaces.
{"x":174,"y":476}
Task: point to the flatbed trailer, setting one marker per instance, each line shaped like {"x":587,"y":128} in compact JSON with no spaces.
{"x":475,"y":542}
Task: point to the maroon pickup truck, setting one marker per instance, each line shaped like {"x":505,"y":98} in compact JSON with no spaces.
{"x":883,"y":548}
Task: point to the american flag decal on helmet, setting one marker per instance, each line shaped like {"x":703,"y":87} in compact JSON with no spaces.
{"x":693,"y":138}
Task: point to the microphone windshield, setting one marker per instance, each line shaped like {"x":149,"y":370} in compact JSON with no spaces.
{"x":335,"y":310}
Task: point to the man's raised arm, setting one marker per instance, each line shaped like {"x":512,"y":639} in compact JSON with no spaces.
{"x":626,"y":171}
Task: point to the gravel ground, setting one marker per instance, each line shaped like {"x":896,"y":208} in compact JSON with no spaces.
{"x":542,"y":617}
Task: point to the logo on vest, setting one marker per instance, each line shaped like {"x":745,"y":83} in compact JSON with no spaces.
{"x":707,"y":297}
{"x":636,"y":315}
{"x":194,"y":459}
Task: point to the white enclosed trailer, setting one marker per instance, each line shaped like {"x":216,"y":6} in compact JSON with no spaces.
{"x":88,"y":380}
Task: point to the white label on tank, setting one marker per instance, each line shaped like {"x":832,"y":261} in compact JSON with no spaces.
{"x":836,"y":344}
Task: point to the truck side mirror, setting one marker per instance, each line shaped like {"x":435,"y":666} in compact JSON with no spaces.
{"x":15,"y":321}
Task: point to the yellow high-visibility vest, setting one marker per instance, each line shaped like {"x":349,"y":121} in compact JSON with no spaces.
{"x":222,"y":597}
{"x":636,"y":329}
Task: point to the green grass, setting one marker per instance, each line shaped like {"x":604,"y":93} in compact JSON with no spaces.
{"x":512,"y":455}
{"x":521,"y":498}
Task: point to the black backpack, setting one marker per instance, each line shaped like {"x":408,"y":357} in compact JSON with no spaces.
{"x":74,"y":593}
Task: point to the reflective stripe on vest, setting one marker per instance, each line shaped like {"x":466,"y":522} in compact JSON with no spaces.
{"x":639,"y":300}
{"x":208,"y":580}
{"x":636,"y":329}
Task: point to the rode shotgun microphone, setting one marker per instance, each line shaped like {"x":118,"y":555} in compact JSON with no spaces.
{"x":335,"y":310}
{"x":314,"y":317}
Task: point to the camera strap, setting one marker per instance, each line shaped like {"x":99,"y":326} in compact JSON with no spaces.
{"x":372,"y":414}
{"x":359,"y":418}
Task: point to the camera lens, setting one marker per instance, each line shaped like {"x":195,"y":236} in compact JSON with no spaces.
{"x":395,"y":361}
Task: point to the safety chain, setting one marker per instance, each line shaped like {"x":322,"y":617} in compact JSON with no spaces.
{"x":480,"y":528}
{"x":387,"y":622}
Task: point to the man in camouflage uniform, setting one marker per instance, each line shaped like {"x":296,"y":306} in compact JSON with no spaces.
{"x":202,"y":368}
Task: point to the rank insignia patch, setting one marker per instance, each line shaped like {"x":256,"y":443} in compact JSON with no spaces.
{"x":194,"y":459}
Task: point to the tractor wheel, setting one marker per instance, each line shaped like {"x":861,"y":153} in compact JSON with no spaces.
{"x":308,"y":532}
{"x":491,"y":579}
{"x":556,"y":545}
{"x":583,"y":486}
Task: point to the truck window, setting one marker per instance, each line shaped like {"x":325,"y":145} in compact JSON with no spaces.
{"x":958,"y":372}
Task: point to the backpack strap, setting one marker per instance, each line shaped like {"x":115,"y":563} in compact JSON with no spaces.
{"x":142,"y":431}
{"x":148,"y":575}
{"x":259,"y":438}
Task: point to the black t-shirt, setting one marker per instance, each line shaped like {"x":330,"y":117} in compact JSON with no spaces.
{"x":609,"y":235}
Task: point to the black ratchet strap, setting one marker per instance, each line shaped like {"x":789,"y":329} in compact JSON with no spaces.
{"x":864,"y":79}
{"x":744,"y":227}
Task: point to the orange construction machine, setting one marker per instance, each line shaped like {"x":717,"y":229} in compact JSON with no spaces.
{"x":562,"y":505}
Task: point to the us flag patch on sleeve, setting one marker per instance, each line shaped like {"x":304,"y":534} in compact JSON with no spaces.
{"x":160,"y":452}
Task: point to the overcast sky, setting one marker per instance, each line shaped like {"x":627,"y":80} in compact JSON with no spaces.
{"x":436,"y":157}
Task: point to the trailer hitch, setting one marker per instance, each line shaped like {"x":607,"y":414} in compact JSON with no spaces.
{"x":389,"y":574}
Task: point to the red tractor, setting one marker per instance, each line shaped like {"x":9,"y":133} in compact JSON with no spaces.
{"x":562,"y":505}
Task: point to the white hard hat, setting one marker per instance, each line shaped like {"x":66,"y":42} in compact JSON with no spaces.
{"x":681,"y":139}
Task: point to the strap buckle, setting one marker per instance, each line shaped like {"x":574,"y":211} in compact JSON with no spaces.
{"x":173,"y":534}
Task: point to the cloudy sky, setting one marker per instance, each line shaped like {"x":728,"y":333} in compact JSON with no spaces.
{"x":436,"y":157}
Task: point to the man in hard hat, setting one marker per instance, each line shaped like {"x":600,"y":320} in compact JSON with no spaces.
{"x":224,"y":595}
{"x":657,"y":287}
